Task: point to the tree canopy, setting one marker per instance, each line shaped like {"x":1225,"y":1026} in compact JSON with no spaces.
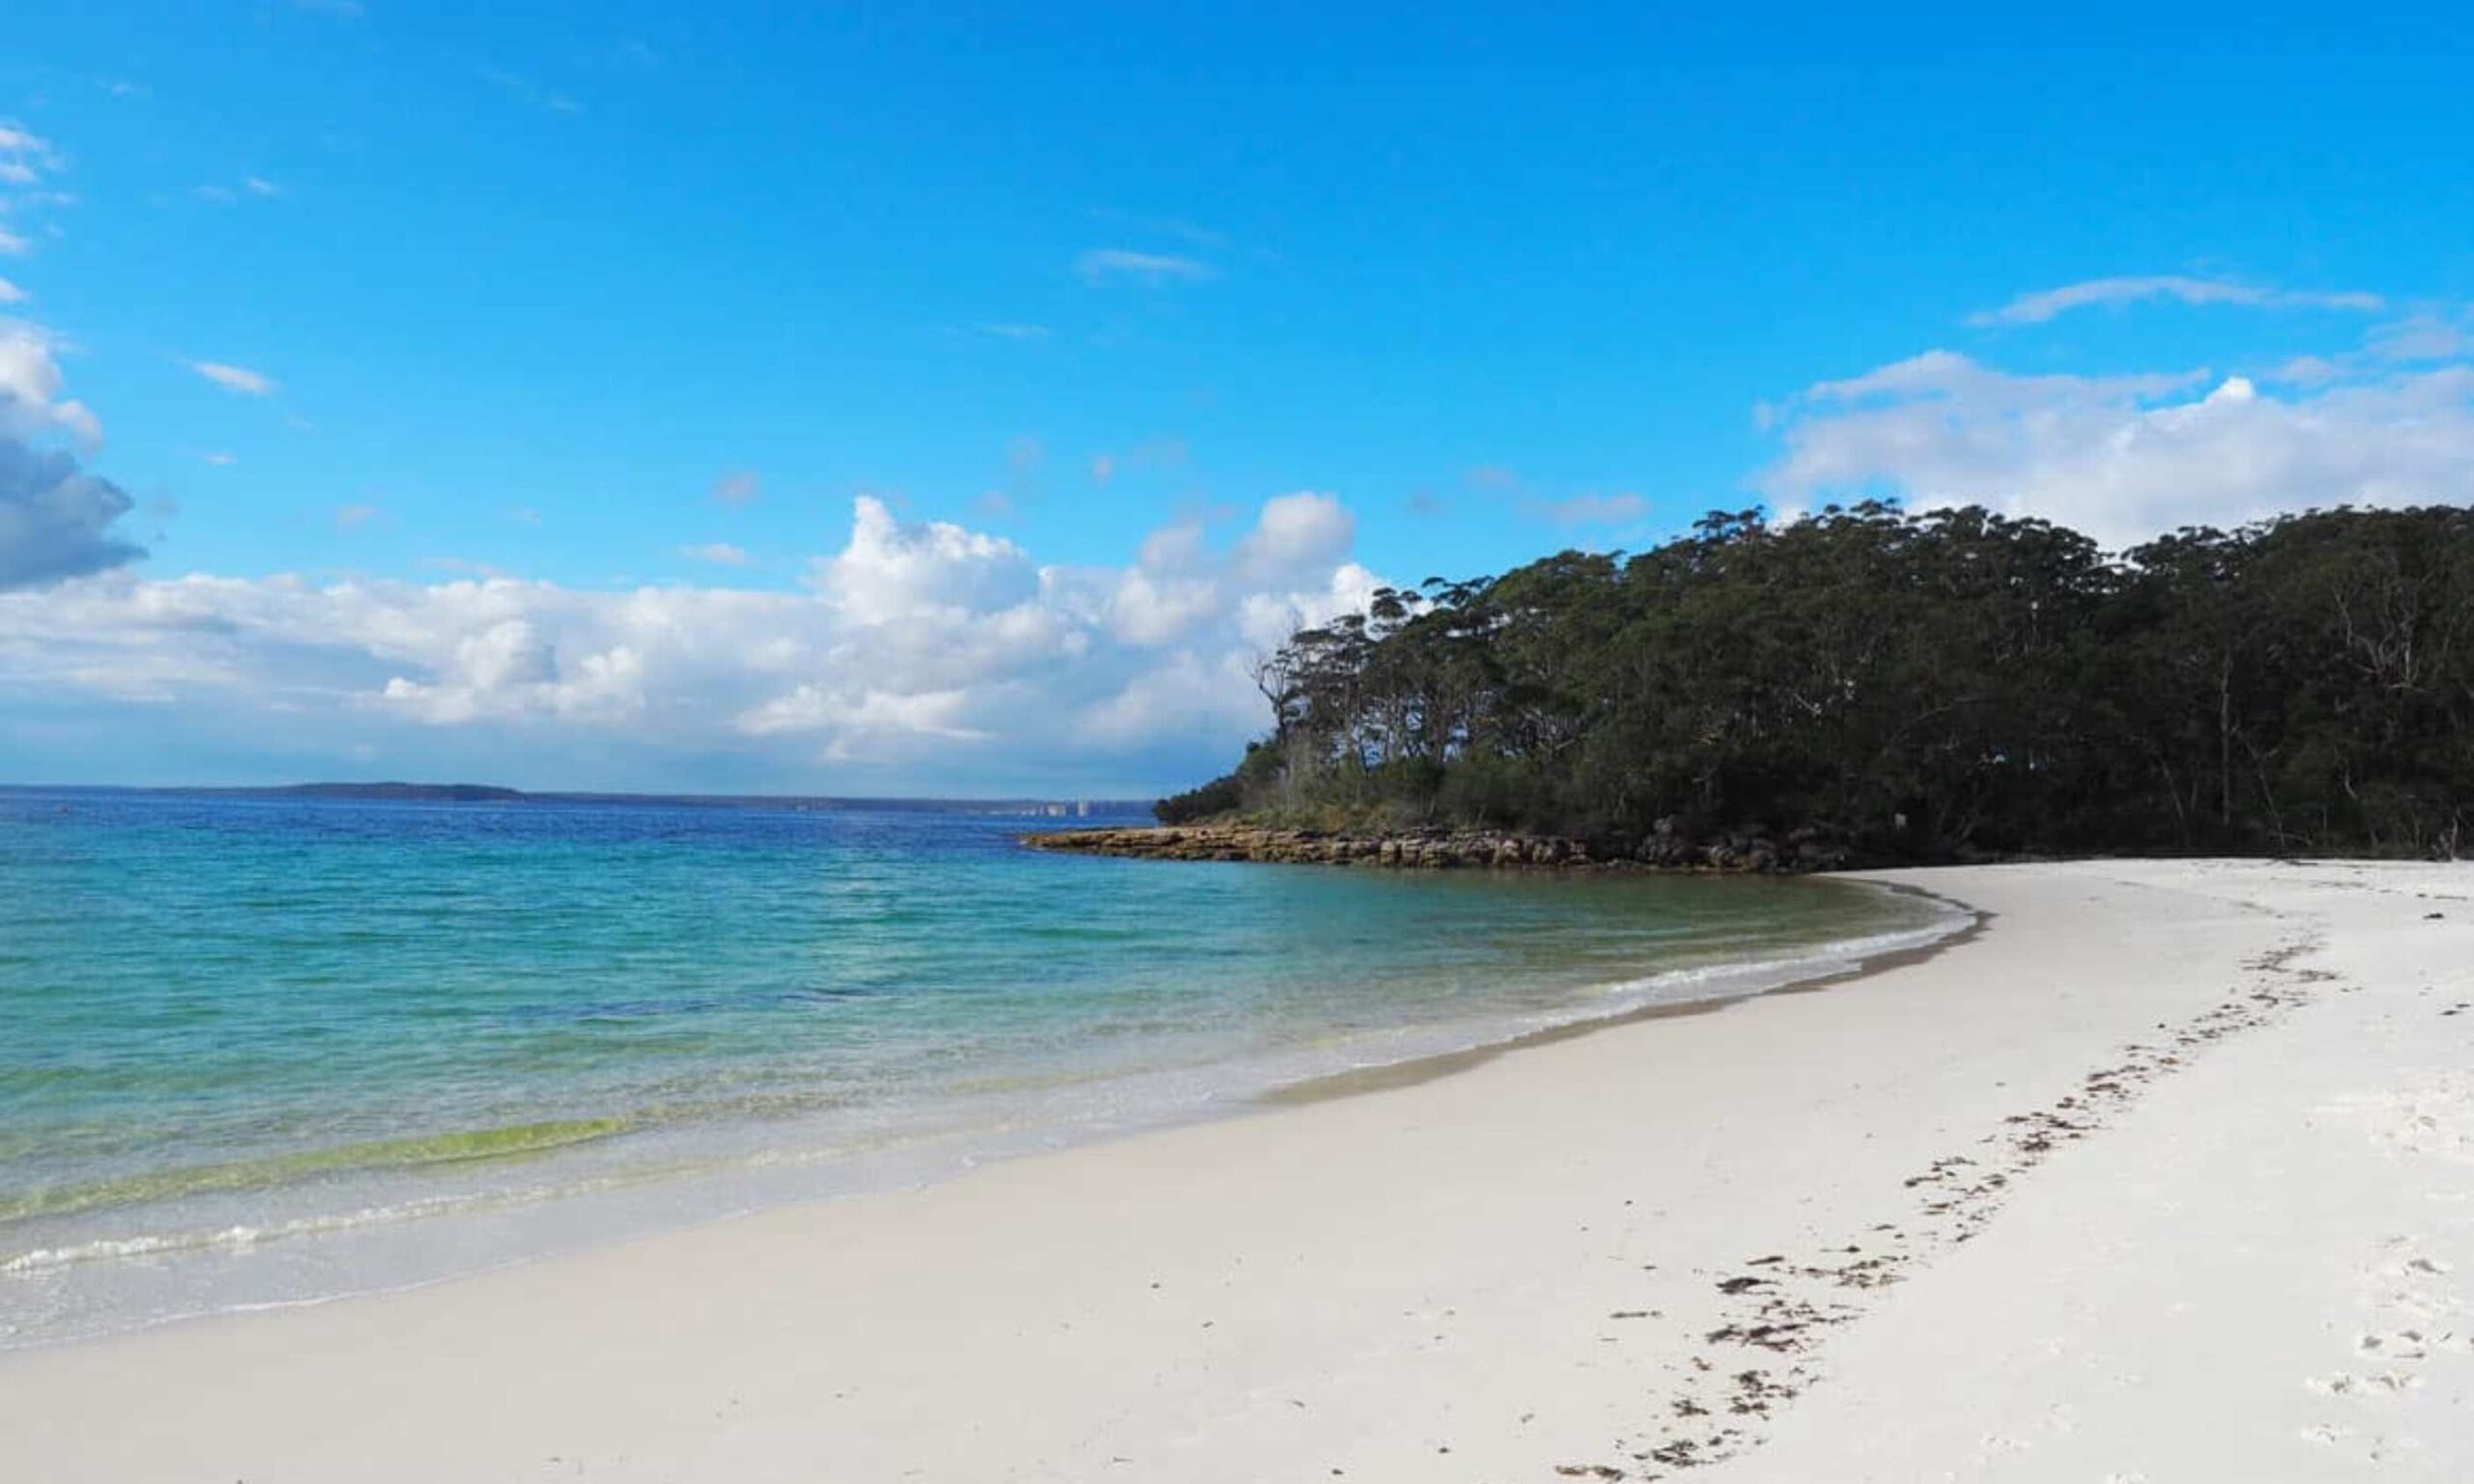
{"x":1923,"y":686}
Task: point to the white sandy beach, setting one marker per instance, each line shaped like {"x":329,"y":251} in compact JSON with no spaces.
{"x":2167,"y":1175}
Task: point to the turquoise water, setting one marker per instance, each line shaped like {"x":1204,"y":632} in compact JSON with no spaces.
{"x":259,"y":1051}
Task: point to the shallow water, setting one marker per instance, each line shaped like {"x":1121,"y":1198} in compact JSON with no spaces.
{"x":258,"y":1051}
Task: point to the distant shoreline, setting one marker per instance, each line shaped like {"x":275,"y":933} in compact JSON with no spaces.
{"x":388,"y":791}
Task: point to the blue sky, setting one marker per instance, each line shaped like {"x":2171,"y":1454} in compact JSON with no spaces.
{"x":485,"y":390}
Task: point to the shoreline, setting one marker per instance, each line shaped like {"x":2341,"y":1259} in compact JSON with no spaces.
{"x":602,"y":1214}
{"x":1563,"y":1261}
{"x":1409,"y":1072}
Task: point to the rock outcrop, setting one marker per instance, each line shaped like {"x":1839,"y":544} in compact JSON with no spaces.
{"x":1664,"y":848}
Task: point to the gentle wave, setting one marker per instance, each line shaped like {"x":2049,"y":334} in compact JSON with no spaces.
{"x":1720,"y":981}
{"x":241,"y":1237}
{"x":1730,"y":979}
{"x":510,"y":1141}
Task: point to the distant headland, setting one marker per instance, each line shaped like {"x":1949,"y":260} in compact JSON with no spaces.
{"x":399,"y":792}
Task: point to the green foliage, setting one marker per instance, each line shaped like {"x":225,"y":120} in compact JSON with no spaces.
{"x":1222,"y":795}
{"x":1921,"y":686}
{"x":1254,"y":776}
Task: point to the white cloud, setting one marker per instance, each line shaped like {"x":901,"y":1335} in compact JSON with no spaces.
{"x":1186,"y":693}
{"x":1104,"y":265}
{"x":923,"y":650}
{"x":892,"y":572}
{"x":221,"y":194}
{"x":2125,"y":458}
{"x":25,"y":157}
{"x":30,"y":402}
{"x":1266,"y":619}
{"x":2427,"y":334}
{"x":1296,"y":535}
{"x":719,"y":552}
{"x":2047,"y":304}
{"x":10,"y":294}
{"x":232,"y":378}
{"x":354,"y":517}
{"x":736,"y":487}
{"x":1946,"y":373}
{"x":864,"y":712}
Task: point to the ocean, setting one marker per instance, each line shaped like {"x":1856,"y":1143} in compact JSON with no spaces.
{"x":264,"y":1051}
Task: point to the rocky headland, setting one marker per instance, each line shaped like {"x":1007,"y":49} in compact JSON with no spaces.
{"x":1666,"y":847}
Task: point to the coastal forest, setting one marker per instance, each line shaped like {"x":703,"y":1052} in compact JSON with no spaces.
{"x":1944,"y":685}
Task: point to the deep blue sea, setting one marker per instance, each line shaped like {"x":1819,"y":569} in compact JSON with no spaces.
{"x":262,"y":1050}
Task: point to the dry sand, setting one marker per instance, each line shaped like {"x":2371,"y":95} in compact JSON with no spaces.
{"x":2167,"y":1175}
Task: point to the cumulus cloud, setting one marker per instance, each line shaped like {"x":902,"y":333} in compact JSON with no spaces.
{"x":1295,"y":534}
{"x":1214,"y":694}
{"x":719,"y":552}
{"x":232,"y":378}
{"x":2046,"y":304}
{"x":1111,"y":264}
{"x":30,"y":402}
{"x":2124,"y":458}
{"x":919,"y":649}
{"x":891,"y":572}
{"x":10,"y":294}
{"x":55,"y":520}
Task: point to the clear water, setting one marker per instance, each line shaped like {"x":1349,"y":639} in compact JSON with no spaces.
{"x":258,"y":1051}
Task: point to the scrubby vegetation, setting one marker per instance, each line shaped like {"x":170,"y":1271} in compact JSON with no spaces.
{"x":1917,"y":685}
